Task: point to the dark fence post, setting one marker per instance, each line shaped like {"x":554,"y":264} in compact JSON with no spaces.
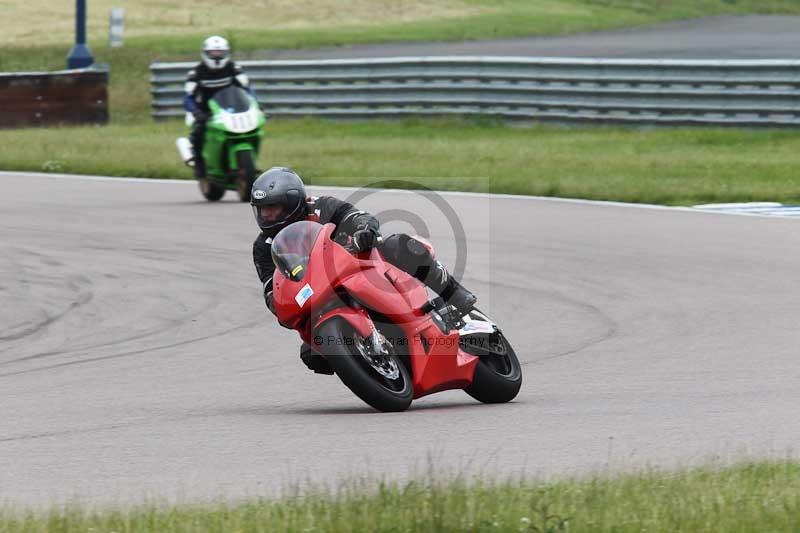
{"x":80,"y":56}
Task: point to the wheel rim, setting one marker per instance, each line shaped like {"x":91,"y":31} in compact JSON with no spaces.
{"x":378,"y":359}
{"x":499,"y":361}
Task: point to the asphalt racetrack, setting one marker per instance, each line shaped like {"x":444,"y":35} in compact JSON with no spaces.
{"x":137,"y":359}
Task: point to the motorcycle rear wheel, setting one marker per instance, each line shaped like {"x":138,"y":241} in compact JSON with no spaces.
{"x":247,"y":175}
{"x":381,"y":380}
{"x":210,"y":191}
{"x":498,"y":374}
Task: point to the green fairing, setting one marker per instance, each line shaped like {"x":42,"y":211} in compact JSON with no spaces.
{"x":222,"y":146}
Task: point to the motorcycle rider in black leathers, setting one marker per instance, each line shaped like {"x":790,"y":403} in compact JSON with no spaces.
{"x":216,"y":71}
{"x":279,"y":198}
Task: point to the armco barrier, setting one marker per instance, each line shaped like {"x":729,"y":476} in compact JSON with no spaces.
{"x":47,"y":98}
{"x":730,"y":92}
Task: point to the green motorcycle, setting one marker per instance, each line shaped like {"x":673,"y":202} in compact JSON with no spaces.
{"x":234,"y":133}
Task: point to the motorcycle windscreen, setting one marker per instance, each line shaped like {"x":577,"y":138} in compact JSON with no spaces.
{"x":292,"y":248}
{"x":233,"y":99}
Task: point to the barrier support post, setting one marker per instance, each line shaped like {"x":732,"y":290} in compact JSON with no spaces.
{"x":80,"y":56}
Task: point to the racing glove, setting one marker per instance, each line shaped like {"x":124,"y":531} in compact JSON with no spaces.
{"x":365,"y":239}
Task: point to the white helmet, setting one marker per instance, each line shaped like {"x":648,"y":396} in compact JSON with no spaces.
{"x":216,"y":52}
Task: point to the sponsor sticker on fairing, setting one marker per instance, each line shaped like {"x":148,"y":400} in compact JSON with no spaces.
{"x":305,"y":293}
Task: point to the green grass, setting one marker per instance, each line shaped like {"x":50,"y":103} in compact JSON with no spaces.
{"x":673,"y":166}
{"x":666,"y":166}
{"x":287,"y":23}
{"x":284,"y":25}
{"x":763,"y":497}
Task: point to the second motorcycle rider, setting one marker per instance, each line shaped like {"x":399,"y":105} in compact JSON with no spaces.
{"x":216,"y":71}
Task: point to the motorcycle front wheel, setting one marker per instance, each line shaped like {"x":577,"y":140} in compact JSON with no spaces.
{"x":377,"y":375}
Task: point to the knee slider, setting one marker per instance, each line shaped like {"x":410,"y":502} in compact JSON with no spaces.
{"x":416,"y":247}
{"x":412,"y":255}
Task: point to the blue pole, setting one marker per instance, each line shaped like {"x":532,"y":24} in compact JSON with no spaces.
{"x":80,"y":56}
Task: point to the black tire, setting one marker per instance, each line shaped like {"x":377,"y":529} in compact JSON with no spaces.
{"x":211,"y":191}
{"x":247,"y":174}
{"x":339,"y":347}
{"x":498,"y":376}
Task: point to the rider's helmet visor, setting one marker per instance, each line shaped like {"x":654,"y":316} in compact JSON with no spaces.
{"x":272,"y":212}
{"x":217,"y":54}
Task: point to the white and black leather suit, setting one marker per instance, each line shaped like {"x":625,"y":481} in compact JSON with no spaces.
{"x":202,"y":83}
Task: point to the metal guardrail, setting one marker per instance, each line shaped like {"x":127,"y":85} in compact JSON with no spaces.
{"x":729,"y":92}
{"x":47,"y":98}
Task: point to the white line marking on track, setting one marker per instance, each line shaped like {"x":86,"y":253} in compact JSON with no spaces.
{"x":766,"y":209}
{"x":771,"y":209}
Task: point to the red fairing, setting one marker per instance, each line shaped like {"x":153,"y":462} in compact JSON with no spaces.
{"x":437,"y":362}
{"x":358,"y":318}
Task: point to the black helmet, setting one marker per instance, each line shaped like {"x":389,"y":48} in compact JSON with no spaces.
{"x":281,"y":189}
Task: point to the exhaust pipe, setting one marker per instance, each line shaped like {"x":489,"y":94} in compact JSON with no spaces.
{"x":185,"y":150}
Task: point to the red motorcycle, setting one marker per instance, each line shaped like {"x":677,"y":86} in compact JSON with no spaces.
{"x":377,"y":328}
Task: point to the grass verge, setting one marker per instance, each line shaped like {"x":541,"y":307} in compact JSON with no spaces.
{"x":162,"y":30}
{"x":673,"y":166}
{"x":282,"y":23}
{"x":751,"y":497}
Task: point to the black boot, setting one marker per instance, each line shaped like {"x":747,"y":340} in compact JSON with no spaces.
{"x":456,"y":295}
{"x":199,"y":168}
{"x":314,"y":361}
{"x":451,"y":291}
{"x":198,"y":138}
